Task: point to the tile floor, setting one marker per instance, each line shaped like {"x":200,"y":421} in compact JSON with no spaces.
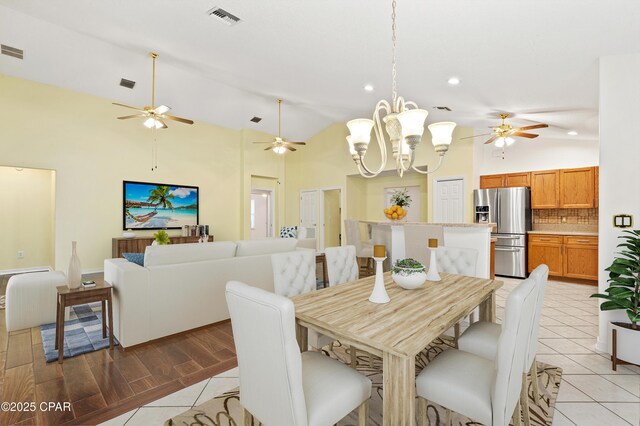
{"x":590,"y":393}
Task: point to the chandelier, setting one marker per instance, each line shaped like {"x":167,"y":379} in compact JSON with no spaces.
{"x":404,"y":124}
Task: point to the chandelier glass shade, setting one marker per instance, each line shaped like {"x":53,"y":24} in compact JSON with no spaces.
{"x":404,"y":126}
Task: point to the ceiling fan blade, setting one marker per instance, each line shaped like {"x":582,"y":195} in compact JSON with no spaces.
{"x":524,"y":135}
{"x":290,"y":148}
{"x":126,"y":117}
{"x":164,"y":125}
{"x":491,"y":140}
{"x":475,"y":136}
{"x":161,"y":109}
{"x":180,"y":119}
{"x":128,"y":106}
{"x":297,"y":143}
{"x":268,"y":148}
{"x":535,"y":126}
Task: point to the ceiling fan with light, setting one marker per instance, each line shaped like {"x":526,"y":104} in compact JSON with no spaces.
{"x":279,"y":145}
{"x":503,"y":134}
{"x":154,"y":116}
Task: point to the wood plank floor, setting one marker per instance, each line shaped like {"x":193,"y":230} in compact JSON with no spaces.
{"x":103,"y":384}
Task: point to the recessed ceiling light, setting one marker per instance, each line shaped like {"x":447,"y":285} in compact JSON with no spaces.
{"x":454,"y":81}
{"x":368,"y":88}
{"x":572,"y":133}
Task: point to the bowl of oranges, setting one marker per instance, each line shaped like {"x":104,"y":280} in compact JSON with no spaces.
{"x":395,"y":212}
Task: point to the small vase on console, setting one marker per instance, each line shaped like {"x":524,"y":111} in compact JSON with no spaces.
{"x":74,"y":273}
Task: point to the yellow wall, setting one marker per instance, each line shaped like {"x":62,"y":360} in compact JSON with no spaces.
{"x":26,"y":218}
{"x":78,"y":136}
{"x":261,"y":169}
{"x":332,"y":220}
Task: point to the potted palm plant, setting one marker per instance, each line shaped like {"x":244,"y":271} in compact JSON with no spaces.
{"x":624,"y":293}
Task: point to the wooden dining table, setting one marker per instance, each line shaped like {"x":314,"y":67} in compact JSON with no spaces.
{"x":396,"y":331}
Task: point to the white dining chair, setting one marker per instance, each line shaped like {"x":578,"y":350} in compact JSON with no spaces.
{"x":460,"y":261}
{"x":279,"y":386}
{"x":294,"y":273}
{"x":342,"y":264}
{"x":364,"y":249}
{"x":487,"y":391}
{"x":342,"y":267}
{"x":481,"y":338}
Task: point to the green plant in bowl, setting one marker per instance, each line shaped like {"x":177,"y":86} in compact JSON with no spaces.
{"x":408,"y":274}
{"x":162,"y":238}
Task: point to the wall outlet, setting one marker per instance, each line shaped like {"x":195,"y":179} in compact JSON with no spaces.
{"x":20,"y":254}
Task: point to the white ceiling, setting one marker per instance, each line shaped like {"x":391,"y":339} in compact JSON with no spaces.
{"x":522,"y":56}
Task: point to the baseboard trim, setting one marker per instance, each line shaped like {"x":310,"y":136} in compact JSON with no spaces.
{"x":25,"y":270}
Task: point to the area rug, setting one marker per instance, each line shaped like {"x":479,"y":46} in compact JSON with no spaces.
{"x":225,"y":410}
{"x":2,"y":302}
{"x":82,"y":333}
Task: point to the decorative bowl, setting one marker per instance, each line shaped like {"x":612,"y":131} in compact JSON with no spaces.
{"x":128,"y":234}
{"x":409,"y":278}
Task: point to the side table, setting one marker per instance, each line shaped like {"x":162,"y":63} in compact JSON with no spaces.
{"x":71,"y":297}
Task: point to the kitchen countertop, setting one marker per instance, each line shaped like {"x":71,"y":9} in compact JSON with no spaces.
{"x":457,"y":225}
{"x":570,"y":233}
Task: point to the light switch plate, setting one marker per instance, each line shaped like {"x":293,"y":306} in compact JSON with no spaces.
{"x":623,"y":221}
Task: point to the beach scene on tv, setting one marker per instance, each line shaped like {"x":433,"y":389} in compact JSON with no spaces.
{"x":159,"y":206}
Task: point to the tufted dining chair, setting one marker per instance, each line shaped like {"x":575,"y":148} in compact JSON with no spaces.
{"x":493,"y":396}
{"x":460,"y":261}
{"x":481,"y":338}
{"x":294,"y":273}
{"x":342,"y":264}
{"x":364,"y":249}
{"x":279,"y":386}
{"x":342,"y":267}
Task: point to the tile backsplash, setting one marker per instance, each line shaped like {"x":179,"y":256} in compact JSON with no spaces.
{"x":569,"y":216}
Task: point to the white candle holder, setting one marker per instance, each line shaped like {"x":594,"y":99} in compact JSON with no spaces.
{"x":379,"y":293}
{"x":432,"y":273}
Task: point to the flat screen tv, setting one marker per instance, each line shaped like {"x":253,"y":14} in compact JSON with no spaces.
{"x":158,"y":205}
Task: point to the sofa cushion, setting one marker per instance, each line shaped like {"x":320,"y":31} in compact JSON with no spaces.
{"x":184,"y":253}
{"x":288,"y":232}
{"x":137,"y":258}
{"x":258,"y":247}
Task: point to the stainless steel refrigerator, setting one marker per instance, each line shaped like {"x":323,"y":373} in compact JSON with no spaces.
{"x":510,"y":209}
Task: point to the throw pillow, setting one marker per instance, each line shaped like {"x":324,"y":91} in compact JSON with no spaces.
{"x":288,"y":232}
{"x":137,"y":258}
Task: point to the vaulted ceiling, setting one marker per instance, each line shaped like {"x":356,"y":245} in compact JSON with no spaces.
{"x":536,"y":58}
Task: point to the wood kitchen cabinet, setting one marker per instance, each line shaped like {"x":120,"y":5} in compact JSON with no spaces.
{"x":491,"y":181}
{"x":508,"y":180}
{"x":596,"y":186}
{"x":565,"y":255}
{"x":545,"y":189}
{"x":577,"y":189}
{"x":546,"y":249}
{"x":581,"y":257}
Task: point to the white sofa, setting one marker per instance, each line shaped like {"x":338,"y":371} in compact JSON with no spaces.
{"x":182,"y":286}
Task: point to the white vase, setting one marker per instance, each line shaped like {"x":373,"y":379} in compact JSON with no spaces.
{"x":628,"y":342}
{"x":74,"y":274}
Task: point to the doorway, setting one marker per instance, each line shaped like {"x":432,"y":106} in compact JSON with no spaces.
{"x":262,"y":224}
{"x":448,"y":200}
{"x":331,"y":219}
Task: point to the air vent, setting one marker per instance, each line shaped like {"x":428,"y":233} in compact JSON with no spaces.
{"x":12,"y":51}
{"x":224,"y":16}
{"x":442,"y":108}
{"x":256,"y":119}
{"x":129,"y":84}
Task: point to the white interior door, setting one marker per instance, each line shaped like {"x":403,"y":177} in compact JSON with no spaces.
{"x":449,"y":201}
{"x":309,"y":210}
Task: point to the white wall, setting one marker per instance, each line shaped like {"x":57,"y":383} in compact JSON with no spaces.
{"x":536,"y":154}
{"x":619,"y":163}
